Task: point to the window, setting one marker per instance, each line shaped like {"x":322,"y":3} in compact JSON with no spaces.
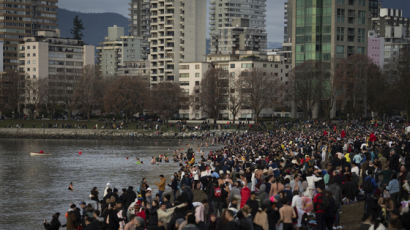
{"x":340,"y":33}
{"x":184,"y":67}
{"x":362,"y":3}
{"x":197,"y":74}
{"x":246,"y":65}
{"x":196,"y":83}
{"x":184,"y":83}
{"x":340,"y":2}
{"x":197,"y":66}
{"x":362,"y":17}
{"x":350,"y":34}
{"x":360,"y":50}
{"x":184,"y":75}
{"x":351,"y":2}
{"x":340,"y":16}
{"x":350,"y":50}
{"x":351,"y":16}
{"x":232,"y":66}
{"x":360,"y":35}
{"x":340,"y":50}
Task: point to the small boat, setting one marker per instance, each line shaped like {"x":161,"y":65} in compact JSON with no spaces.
{"x":34,"y":154}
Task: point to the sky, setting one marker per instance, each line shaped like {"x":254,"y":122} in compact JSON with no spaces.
{"x":274,"y":12}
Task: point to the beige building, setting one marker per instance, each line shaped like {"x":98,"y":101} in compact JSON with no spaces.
{"x":21,"y":19}
{"x":135,"y":69}
{"x":117,"y":50}
{"x":178,"y":33}
{"x":59,"y":60}
{"x":191,"y":75}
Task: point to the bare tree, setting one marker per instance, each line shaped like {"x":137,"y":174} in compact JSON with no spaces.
{"x":257,"y":90}
{"x":235,"y":100}
{"x":309,"y":85}
{"x":213,"y":92}
{"x":125,"y":95}
{"x":88,"y":92}
{"x":11,"y":92}
{"x":402,"y":81}
{"x":166,"y":100}
{"x":351,"y":80}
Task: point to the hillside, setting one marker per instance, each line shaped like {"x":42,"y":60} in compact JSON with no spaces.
{"x":95,"y":24}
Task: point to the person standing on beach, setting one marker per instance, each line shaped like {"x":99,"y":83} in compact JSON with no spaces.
{"x":161,"y":186}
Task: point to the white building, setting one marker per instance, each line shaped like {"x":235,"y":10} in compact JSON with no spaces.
{"x":394,"y":29}
{"x":59,"y":60}
{"x":191,"y":75}
{"x":118,"y":49}
{"x":178,"y":34}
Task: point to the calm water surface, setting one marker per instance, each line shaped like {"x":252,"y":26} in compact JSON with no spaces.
{"x":33,"y":188}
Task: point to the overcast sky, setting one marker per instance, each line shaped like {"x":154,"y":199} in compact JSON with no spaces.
{"x":274,"y":18}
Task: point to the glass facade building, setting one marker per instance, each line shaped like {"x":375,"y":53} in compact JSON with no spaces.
{"x":324,"y":30}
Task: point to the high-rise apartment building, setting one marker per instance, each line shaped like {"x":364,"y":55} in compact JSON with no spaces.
{"x":325,"y":30}
{"x":287,"y":32}
{"x":224,"y":13}
{"x":394,"y":29}
{"x":24,"y":18}
{"x":140,"y":22}
{"x":178,"y":33}
{"x":59,"y":60}
{"x":117,"y":50}
{"x":374,"y":8}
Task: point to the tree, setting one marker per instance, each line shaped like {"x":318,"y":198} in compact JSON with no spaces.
{"x":235,"y":100}
{"x":88,"y":92}
{"x":125,"y":95}
{"x":351,"y":80}
{"x":77,"y":30}
{"x":11,"y":92}
{"x":166,"y":100}
{"x":308,"y":86}
{"x":257,"y":91}
{"x":213,"y":92}
{"x":402,"y":81}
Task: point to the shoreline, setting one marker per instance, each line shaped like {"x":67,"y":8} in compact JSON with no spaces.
{"x":51,"y":133}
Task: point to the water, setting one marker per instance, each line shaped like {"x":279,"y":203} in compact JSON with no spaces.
{"x":33,"y":188}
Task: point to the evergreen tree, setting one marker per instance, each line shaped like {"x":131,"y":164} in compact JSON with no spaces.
{"x":77,"y":30}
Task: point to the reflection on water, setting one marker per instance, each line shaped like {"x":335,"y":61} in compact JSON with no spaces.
{"x":33,"y":188}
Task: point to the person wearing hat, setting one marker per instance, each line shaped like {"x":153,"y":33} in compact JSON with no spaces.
{"x":54,"y":223}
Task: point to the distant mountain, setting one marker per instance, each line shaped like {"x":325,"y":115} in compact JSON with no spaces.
{"x":95,"y":24}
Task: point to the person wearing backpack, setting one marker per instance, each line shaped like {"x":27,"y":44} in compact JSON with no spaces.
{"x":369,"y":184}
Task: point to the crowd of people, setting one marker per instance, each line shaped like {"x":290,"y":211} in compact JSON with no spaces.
{"x":297,"y":176}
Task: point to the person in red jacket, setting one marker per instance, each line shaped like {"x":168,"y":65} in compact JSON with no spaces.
{"x":319,"y":207}
{"x":245,"y":194}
